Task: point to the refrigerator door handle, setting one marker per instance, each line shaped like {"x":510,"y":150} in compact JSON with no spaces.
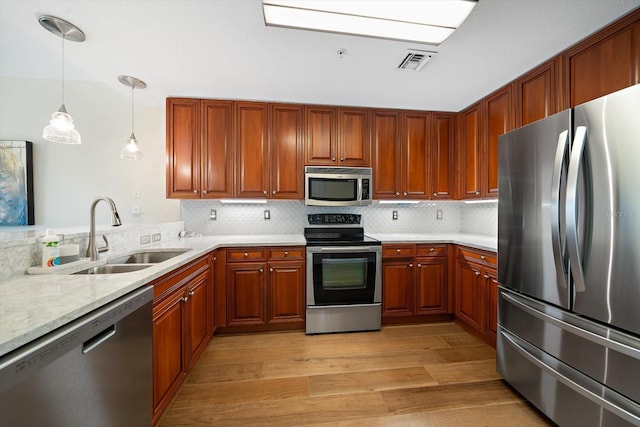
{"x":618,"y":411}
{"x":556,"y":233}
{"x":573,"y":246}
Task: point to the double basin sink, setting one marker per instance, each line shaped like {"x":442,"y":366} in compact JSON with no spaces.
{"x":134,"y":262}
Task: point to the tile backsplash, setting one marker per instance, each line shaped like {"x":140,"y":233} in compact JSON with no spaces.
{"x":289,"y":217}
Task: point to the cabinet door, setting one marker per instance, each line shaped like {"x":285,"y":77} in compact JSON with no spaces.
{"x":321,"y":144}
{"x":183,"y":148}
{"x":217,"y":149}
{"x":386,"y":155}
{"x":286,"y":292}
{"x":491,"y":296}
{"x":354,"y":141}
{"x":415,"y":156}
{"x":441,"y":158}
{"x":286,"y":168}
{"x":431,"y":286}
{"x":246,"y":299}
{"x":397,"y":288}
{"x":252,"y":174}
{"x":605,"y":63}
{"x":470,"y":153}
{"x":536,"y":95}
{"x":169,"y":362}
{"x":497,"y":108}
{"x":198,"y":311}
{"x":469,"y":291}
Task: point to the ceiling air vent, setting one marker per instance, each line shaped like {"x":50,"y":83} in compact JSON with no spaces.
{"x":414,"y":60}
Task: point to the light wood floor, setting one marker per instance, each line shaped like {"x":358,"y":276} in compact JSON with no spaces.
{"x":423,"y":375}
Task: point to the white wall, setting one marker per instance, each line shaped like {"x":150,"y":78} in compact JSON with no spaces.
{"x":67,"y":178}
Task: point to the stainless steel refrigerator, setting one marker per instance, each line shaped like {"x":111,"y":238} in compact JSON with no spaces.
{"x":569,"y":262}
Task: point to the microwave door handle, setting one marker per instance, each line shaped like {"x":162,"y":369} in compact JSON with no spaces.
{"x":359,"y":196}
{"x":573,"y":245}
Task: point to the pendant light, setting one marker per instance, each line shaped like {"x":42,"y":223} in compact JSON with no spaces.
{"x":61,"y":128}
{"x":132,"y":149}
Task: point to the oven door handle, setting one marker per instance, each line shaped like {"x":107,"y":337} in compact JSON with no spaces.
{"x":342,"y":249}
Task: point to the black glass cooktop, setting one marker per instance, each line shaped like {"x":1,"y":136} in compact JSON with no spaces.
{"x":336,"y":230}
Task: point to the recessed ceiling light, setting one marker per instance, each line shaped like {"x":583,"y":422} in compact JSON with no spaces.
{"x":418,"y":21}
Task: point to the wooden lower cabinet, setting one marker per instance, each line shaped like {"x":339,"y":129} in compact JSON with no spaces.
{"x":414,"y":281}
{"x":265,"y":289}
{"x":182,"y":327}
{"x":476,"y":291}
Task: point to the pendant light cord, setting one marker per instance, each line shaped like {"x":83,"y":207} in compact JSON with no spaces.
{"x":63,"y":36}
{"x":132,"y":89}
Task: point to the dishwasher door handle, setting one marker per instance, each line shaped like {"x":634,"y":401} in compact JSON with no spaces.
{"x":95,"y":341}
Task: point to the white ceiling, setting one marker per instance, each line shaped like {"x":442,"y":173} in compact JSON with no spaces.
{"x":222,"y":49}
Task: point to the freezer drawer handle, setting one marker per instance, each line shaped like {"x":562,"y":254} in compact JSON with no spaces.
{"x":571,"y":384}
{"x":94,"y":342}
{"x":556,"y":233}
{"x":590,"y":336}
{"x":572,"y":207}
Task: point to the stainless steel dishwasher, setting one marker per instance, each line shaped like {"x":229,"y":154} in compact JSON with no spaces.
{"x":94,"y":371}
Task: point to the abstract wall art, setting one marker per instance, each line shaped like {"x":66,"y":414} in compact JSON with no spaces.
{"x":16,"y":183}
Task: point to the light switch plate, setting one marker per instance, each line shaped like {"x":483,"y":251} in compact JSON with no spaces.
{"x":267,"y":214}
{"x":439,"y":214}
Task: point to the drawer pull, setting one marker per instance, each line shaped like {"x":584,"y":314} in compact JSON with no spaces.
{"x":271,"y":270}
{"x":286,"y":253}
{"x":482,"y":257}
{"x":246,"y":254}
{"x":192,"y":293}
{"x":397,"y":251}
{"x":486,"y":276}
{"x":410,"y":265}
{"x":431,"y":249}
{"x":261,"y":270}
{"x":419,"y":265}
{"x":477,"y":273}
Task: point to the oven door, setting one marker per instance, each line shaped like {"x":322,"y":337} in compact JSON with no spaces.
{"x":340,"y":275}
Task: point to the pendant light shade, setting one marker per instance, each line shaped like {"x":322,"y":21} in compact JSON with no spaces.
{"x":132,"y":150}
{"x":61,"y":128}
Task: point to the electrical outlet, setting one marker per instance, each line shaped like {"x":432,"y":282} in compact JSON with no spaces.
{"x":145,"y":239}
{"x":213,"y":214}
{"x":394,"y":215}
{"x":135,"y":193}
{"x":156,"y":237}
{"x":439,"y":214}
{"x":135,"y":211}
{"x":267,"y":214}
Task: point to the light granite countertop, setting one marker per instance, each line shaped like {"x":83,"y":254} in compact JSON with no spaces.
{"x":34,"y":305}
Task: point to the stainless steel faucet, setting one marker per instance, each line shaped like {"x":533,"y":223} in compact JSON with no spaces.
{"x":92,"y":249}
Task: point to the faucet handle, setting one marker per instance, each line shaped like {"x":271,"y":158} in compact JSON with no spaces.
{"x":104,"y":248}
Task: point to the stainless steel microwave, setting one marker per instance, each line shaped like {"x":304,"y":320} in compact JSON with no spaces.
{"x":337,"y":186}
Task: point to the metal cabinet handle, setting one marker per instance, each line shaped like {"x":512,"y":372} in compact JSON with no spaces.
{"x":286,"y":253}
{"x":397,"y":193}
{"x":435,"y":194}
{"x":204,"y":191}
{"x":419,"y":265}
{"x":333,"y":159}
{"x":195,"y":191}
{"x":214,"y":258}
{"x":397,"y":251}
{"x":410,"y":265}
{"x":192,"y":293}
{"x":264,"y":192}
{"x":486,"y":276}
{"x":246,"y":254}
{"x":405,"y":193}
{"x":477,"y":193}
{"x":342,"y":159}
{"x":482,"y":257}
{"x":261,"y":270}
{"x":185,"y":299}
{"x":431,"y":249}
{"x":477,"y":273}
{"x":273,"y":192}
{"x":271,"y":270}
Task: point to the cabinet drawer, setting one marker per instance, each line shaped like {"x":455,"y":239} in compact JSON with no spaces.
{"x":478,"y":256}
{"x":398,"y":251}
{"x":285,"y":253}
{"x":246,"y":254}
{"x":429,"y":250}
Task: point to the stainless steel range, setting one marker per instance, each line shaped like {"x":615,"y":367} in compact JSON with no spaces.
{"x":344,"y":286}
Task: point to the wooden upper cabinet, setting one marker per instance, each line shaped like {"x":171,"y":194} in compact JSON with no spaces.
{"x":386,"y":159}
{"x":603,"y":63}
{"x":286,"y":151}
{"x":183,"y":148}
{"x":415,"y":155}
{"x":217,"y":149}
{"x":354,"y":141}
{"x":498,"y":119}
{"x":252,"y":145}
{"x":442,"y":155}
{"x":536,"y":93}
{"x":470,"y":152}
{"x":321,"y":142}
